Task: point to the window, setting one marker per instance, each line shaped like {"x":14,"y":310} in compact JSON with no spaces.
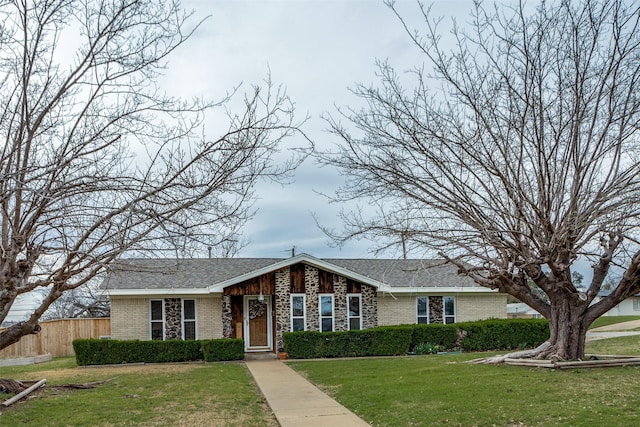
{"x":449,"y":310}
{"x":157,"y":320}
{"x":354,"y":313}
{"x":188,"y":319}
{"x":326,"y":313}
{"x":423,"y":309}
{"x":636,"y":304}
{"x":298,"y":318}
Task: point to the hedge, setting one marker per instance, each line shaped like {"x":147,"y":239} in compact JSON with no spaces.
{"x":495,"y":334}
{"x":223,"y":349}
{"x":382,"y":341}
{"x":503,"y":334}
{"x":107,"y":352}
{"x":443,"y":336}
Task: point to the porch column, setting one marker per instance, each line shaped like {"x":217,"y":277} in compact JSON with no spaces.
{"x":283,"y":300}
{"x":226,"y":316}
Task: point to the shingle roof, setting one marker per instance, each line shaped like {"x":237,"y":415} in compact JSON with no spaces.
{"x":198,"y":273}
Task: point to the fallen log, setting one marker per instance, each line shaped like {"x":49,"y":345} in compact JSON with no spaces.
{"x":24,"y":393}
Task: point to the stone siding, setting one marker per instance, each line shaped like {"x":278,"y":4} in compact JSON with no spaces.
{"x":369,"y":307}
{"x":283,"y":303}
{"x":312,"y":285}
{"x":172,"y":318}
{"x":340,"y":303}
{"x":226,"y":317}
{"x":436,"y":309}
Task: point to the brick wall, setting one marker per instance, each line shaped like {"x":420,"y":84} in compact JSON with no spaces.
{"x":402,"y":309}
{"x":209,"y":317}
{"x":129,"y":318}
{"x":479,"y":307}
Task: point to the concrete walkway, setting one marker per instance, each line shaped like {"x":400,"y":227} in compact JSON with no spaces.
{"x":613,"y":331}
{"x":295,"y":401}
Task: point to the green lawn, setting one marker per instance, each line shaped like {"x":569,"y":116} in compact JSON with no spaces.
{"x":443,"y":390}
{"x":394,"y":391}
{"x":213,"y":394}
{"x":610,"y":320}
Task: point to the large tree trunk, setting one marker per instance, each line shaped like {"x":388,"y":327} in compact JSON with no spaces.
{"x":568,"y":325}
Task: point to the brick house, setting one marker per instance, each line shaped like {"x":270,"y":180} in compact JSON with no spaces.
{"x":258,"y":299}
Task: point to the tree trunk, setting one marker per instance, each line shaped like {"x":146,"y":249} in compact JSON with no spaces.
{"x":568,"y":325}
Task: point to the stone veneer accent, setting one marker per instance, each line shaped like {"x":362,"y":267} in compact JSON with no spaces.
{"x":436,"y":309}
{"x":312,"y":285}
{"x":369,"y":307}
{"x":172,"y":318}
{"x":340,"y":303}
{"x":283,"y":302}
{"x":227,"y":331}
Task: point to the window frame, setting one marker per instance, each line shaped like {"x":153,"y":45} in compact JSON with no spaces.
{"x":152,"y":320}
{"x":636,"y":303}
{"x":359,"y":316}
{"x":333,"y":312}
{"x":426,"y":314}
{"x":444,"y":310}
{"x":304,"y":311}
{"x":184,"y":320}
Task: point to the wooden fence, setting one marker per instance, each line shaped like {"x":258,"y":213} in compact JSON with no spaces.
{"x":56,"y":337}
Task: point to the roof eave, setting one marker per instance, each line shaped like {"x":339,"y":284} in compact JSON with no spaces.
{"x":440,"y":289}
{"x":308,"y":259}
{"x":147,"y":292}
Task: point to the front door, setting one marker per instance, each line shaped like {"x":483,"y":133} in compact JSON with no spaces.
{"x":257,"y":323}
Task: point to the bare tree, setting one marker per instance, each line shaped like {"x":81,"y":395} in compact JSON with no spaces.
{"x":84,"y":301}
{"x":515,"y":154}
{"x":97,"y":160}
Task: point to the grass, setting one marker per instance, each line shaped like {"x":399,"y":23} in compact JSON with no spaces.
{"x":397,"y":391}
{"x":443,"y":390}
{"x":621,"y":346}
{"x":611,"y":320}
{"x":214,"y":394}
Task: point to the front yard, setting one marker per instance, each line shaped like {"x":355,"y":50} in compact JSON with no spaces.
{"x":215,"y":394}
{"x":393,"y":391}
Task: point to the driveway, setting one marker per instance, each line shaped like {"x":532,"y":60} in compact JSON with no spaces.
{"x":623,"y":329}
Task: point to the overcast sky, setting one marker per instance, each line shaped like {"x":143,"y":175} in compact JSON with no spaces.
{"x":317,"y":50}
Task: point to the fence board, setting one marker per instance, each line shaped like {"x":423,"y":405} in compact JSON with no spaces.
{"x":56,"y":337}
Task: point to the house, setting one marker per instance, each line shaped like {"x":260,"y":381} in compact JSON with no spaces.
{"x":520,"y":310}
{"x":258,"y":299}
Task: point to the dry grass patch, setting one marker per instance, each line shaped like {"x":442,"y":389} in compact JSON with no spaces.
{"x":215,"y":394}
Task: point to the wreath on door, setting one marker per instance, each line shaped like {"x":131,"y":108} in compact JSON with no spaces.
{"x":256,"y":308}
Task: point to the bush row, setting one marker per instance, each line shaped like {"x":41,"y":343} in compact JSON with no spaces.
{"x":494,"y":334}
{"x":383,"y":341}
{"x":107,"y":352}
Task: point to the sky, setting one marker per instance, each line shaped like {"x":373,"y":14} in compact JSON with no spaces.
{"x":317,"y":50}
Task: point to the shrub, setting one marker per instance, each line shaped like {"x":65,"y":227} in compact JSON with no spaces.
{"x":382,"y":341}
{"x":441,"y":335}
{"x":503,"y":334}
{"x":223,"y":349}
{"x":108,"y":352}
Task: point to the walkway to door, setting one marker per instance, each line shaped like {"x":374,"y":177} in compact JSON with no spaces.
{"x":295,"y":401}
